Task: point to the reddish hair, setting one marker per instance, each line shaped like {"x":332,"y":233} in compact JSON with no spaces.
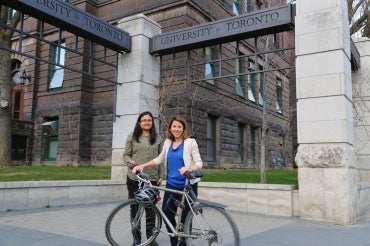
{"x":186,"y":132}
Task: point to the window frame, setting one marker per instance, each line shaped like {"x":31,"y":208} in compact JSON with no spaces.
{"x":239,"y":82}
{"x":240,"y":157}
{"x":261,"y":85}
{"x":56,"y":68}
{"x":17,"y":102}
{"x":237,"y":7}
{"x":209,"y":66}
{"x":279,"y":96}
{"x":252,"y":145}
{"x":211,"y":140}
{"x":50,"y":138}
{"x":251,"y":81}
{"x":48,"y":142}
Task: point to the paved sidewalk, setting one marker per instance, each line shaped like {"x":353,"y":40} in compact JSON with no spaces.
{"x":84,"y":226}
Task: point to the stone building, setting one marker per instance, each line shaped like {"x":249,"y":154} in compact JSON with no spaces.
{"x":67,"y":117}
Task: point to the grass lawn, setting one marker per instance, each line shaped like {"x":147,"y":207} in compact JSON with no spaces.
{"x":273,"y":176}
{"x":47,"y":173}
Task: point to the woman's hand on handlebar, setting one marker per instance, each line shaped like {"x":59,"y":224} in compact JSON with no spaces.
{"x":137,"y":169}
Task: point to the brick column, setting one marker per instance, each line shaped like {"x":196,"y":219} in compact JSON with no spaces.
{"x":139,"y":73}
{"x":327,"y":175}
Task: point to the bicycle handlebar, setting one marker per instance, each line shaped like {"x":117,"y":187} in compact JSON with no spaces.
{"x":193,"y":174}
{"x":190,"y":175}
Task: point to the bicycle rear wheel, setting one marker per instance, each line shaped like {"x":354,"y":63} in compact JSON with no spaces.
{"x":211,"y":225}
{"x":132,"y":224}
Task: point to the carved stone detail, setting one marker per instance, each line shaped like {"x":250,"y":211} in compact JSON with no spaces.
{"x":324,"y":155}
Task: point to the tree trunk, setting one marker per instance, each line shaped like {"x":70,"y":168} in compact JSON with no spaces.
{"x":263,"y":144}
{"x":5,"y":107}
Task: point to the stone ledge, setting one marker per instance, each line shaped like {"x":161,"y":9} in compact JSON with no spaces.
{"x":267,"y":199}
{"x":62,"y":183}
{"x":39,"y":194}
{"x":248,"y":186}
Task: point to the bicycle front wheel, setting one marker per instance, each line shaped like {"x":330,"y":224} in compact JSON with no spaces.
{"x":211,"y":225}
{"x":132,"y":224}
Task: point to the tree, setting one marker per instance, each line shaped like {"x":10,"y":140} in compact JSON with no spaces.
{"x":6,"y":82}
{"x":358,"y":16}
{"x":270,"y":60}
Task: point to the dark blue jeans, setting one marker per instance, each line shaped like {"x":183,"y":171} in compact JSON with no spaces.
{"x":132,"y":187}
{"x":169,"y":208}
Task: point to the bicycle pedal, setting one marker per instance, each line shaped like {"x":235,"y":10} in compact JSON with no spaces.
{"x":178,"y":204}
{"x":156,"y":230}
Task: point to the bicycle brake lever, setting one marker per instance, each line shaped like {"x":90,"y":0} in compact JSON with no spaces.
{"x":193,"y":174}
{"x":143,"y":175}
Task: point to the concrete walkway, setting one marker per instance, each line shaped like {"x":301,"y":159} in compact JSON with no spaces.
{"x":84,"y":226}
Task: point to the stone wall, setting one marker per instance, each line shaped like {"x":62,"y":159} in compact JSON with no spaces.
{"x":42,"y":194}
{"x":361,"y":103}
{"x":276,"y":200}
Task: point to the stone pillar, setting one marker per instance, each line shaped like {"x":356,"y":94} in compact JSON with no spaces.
{"x":139,"y":73}
{"x":361,"y":99}
{"x":327,"y":175}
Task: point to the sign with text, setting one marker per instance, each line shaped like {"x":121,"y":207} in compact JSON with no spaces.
{"x":70,"y":18}
{"x":258,"y":23}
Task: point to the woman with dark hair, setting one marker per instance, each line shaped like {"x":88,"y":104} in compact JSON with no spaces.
{"x":180,"y":153}
{"x":142,"y":145}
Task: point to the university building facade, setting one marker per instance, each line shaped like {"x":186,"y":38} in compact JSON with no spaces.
{"x":64,"y":117}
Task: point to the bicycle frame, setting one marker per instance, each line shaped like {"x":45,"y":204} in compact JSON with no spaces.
{"x":186,"y":197}
{"x":206,"y":222}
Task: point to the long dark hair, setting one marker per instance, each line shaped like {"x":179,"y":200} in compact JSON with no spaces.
{"x":138,"y":130}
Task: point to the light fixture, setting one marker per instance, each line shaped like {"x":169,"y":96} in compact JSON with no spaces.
{"x":20,"y":77}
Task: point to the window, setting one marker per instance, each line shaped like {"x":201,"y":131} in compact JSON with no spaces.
{"x":51,"y":148}
{"x":279,"y":96}
{"x":245,"y":6}
{"x":16,"y":65}
{"x":248,"y":6}
{"x":276,"y":40}
{"x":252,"y":146}
{"x":251,"y":86}
{"x":209,"y":68}
{"x":11,"y":13}
{"x":240,"y":143}
{"x":211,"y":140}
{"x":239,"y":83}
{"x":56,"y":68}
{"x":50,"y":131}
{"x":19,"y":148}
{"x":17,"y":102}
{"x":278,"y":161}
{"x":237,"y":7}
{"x":261,"y":85}
{"x":259,"y":4}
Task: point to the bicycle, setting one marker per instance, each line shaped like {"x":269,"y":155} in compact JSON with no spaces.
{"x":207,"y":223}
